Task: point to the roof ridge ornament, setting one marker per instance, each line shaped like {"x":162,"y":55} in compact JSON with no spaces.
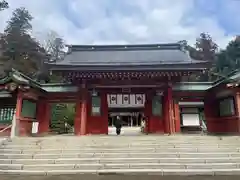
{"x":183,"y":45}
{"x":69,"y":51}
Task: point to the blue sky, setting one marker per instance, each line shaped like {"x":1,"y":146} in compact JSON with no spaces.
{"x":131,"y":21}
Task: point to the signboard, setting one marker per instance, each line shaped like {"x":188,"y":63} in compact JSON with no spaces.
{"x":125,"y":100}
{"x":35,"y":127}
{"x":96,"y":105}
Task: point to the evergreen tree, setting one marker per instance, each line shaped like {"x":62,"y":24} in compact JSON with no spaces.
{"x":206,"y":50}
{"x":3,"y":5}
{"x":206,"y":47}
{"x":55,"y":46}
{"x":229,"y":59}
{"x":20,"y":50}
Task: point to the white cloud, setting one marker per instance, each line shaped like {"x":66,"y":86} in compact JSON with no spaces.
{"x":133,"y":21}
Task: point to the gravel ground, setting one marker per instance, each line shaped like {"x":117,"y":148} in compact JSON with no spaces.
{"x":117,"y":177}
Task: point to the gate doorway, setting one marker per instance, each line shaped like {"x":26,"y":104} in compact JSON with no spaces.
{"x":129,"y":107}
{"x":62,"y":118}
{"x":130,"y":118}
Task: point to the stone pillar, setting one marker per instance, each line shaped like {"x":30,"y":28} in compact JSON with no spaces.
{"x":43,"y":115}
{"x":168,"y":111}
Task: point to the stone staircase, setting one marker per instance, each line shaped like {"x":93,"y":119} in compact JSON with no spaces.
{"x":143,"y":154}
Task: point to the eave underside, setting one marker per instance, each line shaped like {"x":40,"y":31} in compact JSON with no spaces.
{"x":180,"y":66}
{"x":145,"y":76}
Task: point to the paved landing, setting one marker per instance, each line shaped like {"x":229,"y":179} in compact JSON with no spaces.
{"x":126,"y":131}
{"x":117,"y":177}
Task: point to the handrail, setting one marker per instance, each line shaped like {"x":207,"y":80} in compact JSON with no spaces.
{"x":9,"y":126}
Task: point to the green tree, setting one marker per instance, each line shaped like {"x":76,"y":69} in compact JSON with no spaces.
{"x":3,"y":5}
{"x":224,"y":64}
{"x":193,"y":52}
{"x":229,"y":59}
{"x":20,"y":50}
{"x":54,"y":46}
{"x":206,"y":47}
{"x":233,"y":52}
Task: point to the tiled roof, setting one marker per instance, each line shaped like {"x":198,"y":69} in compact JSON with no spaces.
{"x":153,"y":54}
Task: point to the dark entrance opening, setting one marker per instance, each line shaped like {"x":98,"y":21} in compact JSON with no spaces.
{"x":131,"y":117}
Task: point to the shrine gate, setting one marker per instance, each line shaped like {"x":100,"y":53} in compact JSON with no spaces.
{"x":95,"y":74}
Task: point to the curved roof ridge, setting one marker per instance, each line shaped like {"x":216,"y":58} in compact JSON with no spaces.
{"x":124,"y":47}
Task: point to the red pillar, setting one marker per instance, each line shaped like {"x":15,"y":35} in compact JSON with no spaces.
{"x":214,"y":123}
{"x":208,"y":114}
{"x":104,"y":108}
{"x":77,"y":120}
{"x":83,"y":111}
{"x":237,"y":102}
{"x":43,"y":115}
{"x":177,"y":117}
{"x":148,"y":112}
{"x":168,"y":111}
{"x":80,"y":122}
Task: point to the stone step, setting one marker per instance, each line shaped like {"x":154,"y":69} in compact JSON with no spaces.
{"x":122,"y":155}
{"x":123,"y":139}
{"x":52,"y":145}
{"x":45,"y":167}
{"x":122,"y":150}
{"x":158,"y":138}
{"x":128,"y":139}
{"x":119,"y":145}
{"x":124,"y":143}
{"x":118,"y":160}
{"x":64,"y":146}
{"x":149,"y":136}
{"x":136,"y":141}
{"x":117,"y":172}
{"x":115,"y":144}
{"x":181,"y":155}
